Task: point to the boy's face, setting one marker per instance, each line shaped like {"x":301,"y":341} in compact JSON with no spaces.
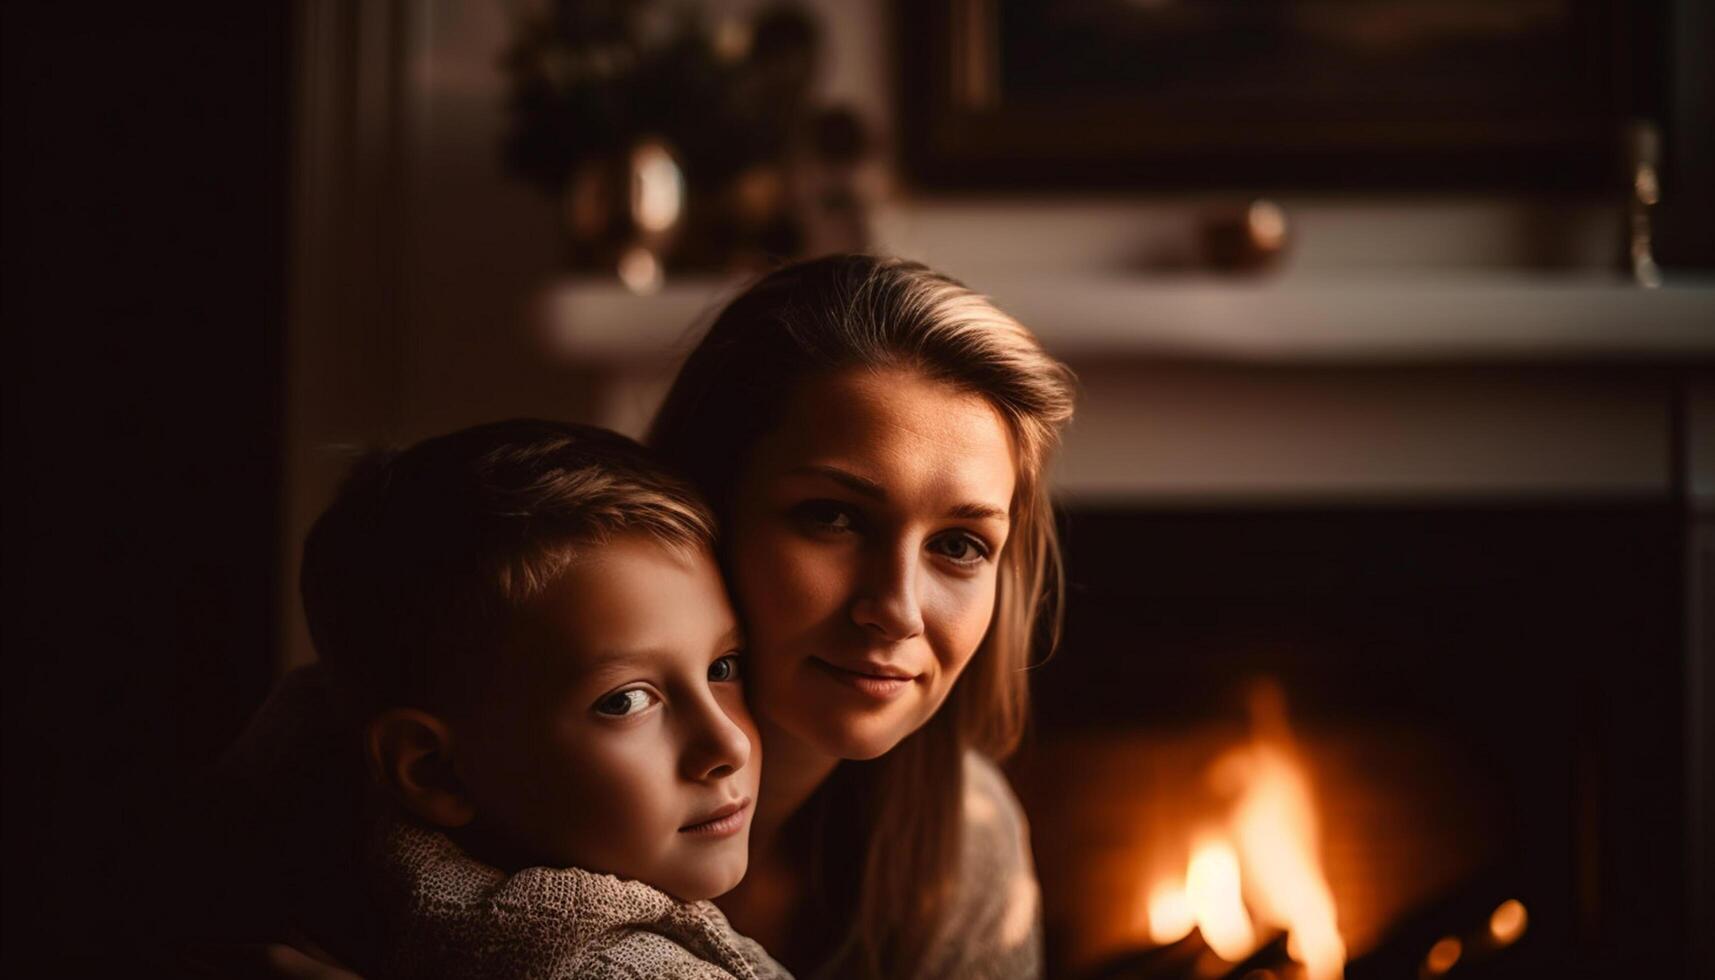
{"x":615,"y":737}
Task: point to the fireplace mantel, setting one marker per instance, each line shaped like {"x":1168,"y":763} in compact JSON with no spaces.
{"x":1360,"y":320}
{"x":1370,"y":389}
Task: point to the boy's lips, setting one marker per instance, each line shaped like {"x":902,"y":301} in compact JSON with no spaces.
{"x":722,"y":821}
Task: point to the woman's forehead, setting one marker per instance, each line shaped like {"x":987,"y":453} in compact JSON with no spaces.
{"x":897,"y":431}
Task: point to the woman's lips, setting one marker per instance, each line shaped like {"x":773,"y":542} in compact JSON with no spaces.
{"x":882,"y":683}
{"x":724,"y":822}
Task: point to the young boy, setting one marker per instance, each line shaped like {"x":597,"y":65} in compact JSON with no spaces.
{"x":531,"y":630}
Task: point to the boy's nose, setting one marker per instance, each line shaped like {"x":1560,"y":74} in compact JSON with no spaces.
{"x":718,"y":747}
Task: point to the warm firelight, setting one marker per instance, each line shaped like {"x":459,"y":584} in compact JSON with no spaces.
{"x":1262,"y":869}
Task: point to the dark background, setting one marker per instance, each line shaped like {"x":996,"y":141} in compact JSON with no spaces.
{"x":145,"y":157}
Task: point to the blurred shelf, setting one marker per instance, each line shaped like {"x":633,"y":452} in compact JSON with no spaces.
{"x":1362,"y":320}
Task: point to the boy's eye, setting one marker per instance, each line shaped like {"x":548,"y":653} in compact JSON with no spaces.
{"x":622,"y":703}
{"x":962,"y":549}
{"x":724,"y":669}
{"x":825,"y":515}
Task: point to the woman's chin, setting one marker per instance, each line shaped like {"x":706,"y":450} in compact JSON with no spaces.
{"x":849,"y":720}
{"x":857,"y":739}
{"x":863,"y":750}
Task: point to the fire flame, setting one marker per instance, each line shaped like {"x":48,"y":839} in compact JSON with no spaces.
{"x":1261,"y":867}
{"x":1212,"y":882}
{"x":1170,"y":915}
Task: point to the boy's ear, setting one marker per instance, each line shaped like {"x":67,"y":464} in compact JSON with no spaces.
{"x":410,"y":751}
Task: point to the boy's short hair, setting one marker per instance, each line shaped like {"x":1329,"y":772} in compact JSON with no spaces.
{"x":412,"y":575}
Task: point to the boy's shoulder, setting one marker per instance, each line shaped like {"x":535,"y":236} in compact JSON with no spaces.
{"x":451,"y":915}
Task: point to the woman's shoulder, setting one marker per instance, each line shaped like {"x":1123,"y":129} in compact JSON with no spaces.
{"x":996,"y":847}
{"x":993,"y":926}
{"x":990,"y":804}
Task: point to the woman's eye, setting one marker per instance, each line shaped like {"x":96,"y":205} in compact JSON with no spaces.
{"x":962,"y":549}
{"x":825,"y":515}
{"x":724,"y":669}
{"x":622,"y":703}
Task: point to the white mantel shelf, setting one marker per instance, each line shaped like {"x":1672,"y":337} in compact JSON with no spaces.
{"x":1422,"y":320}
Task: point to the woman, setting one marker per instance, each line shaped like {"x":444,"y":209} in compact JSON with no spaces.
{"x":874,"y":438}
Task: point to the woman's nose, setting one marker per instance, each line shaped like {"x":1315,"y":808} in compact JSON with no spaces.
{"x":718,"y":747}
{"x":886,"y":604}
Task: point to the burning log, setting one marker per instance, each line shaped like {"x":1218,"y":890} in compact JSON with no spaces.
{"x":1175,"y":960}
{"x":1191,"y":957}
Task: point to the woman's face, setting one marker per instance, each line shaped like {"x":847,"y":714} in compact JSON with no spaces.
{"x":866,"y":535}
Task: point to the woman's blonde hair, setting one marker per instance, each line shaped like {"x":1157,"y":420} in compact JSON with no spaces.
{"x":898,"y":817}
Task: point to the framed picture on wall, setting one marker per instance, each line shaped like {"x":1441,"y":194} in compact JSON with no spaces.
{"x":1531,"y":94}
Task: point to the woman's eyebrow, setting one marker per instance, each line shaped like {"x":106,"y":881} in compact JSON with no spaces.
{"x":851,"y":481}
{"x":978,"y":512}
{"x":875,"y":491}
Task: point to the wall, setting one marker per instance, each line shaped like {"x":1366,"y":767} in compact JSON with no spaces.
{"x":418,"y":260}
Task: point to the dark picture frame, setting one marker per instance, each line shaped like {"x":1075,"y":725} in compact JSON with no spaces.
{"x":1276,"y":94}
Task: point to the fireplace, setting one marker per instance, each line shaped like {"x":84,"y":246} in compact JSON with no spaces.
{"x":1385,"y":741}
{"x":1413,"y":546}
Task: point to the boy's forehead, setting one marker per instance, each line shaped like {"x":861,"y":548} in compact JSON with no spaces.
{"x":559,"y":665}
{"x":626,"y":603}
{"x":597,"y":659}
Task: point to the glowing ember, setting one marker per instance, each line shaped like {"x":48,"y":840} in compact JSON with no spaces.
{"x":1508,"y":922}
{"x":1443,"y":955}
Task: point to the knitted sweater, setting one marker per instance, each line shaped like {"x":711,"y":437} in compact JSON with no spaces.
{"x":449,"y":915}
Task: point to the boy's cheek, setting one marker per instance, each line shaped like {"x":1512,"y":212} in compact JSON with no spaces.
{"x":603,"y":815}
